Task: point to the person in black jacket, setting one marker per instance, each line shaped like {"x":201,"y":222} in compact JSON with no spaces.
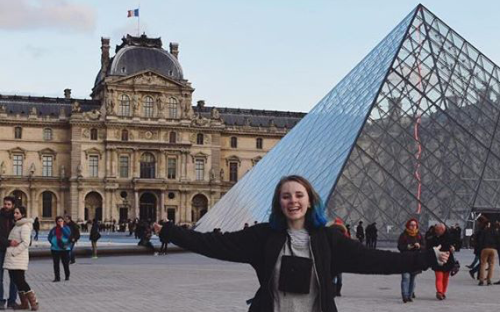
{"x":94,"y":237}
{"x":444,"y":240}
{"x":488,"y":242}
{"x":410,"y":241}
{"x":6,"y":225}
{"x":360,"y":232}
{"x":75,"y":236}
{"x":296,"y":235}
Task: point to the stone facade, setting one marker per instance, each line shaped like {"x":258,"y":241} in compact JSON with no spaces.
{"x":138,"y":149}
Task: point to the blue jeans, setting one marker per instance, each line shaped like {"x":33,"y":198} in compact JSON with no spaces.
{"x":12,"y":288}
{"x":407,"y":284}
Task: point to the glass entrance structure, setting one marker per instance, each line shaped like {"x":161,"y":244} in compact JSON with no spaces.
{"x":411,"y":131}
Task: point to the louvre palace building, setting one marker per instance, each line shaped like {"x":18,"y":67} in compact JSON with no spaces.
{"x":139,"y":148}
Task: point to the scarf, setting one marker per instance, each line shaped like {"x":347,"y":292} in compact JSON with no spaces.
{"x":412,"y":233}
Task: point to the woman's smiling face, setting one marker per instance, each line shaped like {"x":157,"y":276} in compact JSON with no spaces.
{"x":294,"y":202}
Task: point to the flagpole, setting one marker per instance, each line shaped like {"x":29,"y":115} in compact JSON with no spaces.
{"x":139,"y":21}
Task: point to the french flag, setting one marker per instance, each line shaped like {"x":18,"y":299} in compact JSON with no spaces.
{"x":133,"y":13}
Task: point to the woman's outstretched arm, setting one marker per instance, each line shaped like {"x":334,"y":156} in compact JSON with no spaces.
{"x":242,"y":246}
{"x":351,"y":256}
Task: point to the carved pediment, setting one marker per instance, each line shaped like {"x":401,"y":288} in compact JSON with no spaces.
{"x":200,"y":155}
{"x":255,"y":160}
{"x":47,"y":151}
{"x":233,"y":158}
{"x":148,"y":78}
{"x":17,"y":151}
{"x":93,"y":151}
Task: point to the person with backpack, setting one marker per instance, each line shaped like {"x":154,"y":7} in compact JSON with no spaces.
{"x":60,"y":245}
{"x":75,"y":236}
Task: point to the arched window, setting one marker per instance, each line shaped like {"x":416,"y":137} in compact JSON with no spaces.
{"x":124,"y":106}
{"x":258,"y":143}
{"x":147,"y":166}
{"x":47,"y":134}
{"x":199,"y":139}
{"x":234,"y":142}
{"x":172,"y":107}
{"x":148,"y":107}
{"x":93,"y":134}
{"x":124,"y":135}
{"x":173,"y":137}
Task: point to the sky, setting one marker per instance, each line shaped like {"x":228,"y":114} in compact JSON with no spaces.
{"x":263,"y":54}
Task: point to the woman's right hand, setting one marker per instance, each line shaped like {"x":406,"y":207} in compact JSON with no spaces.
{"x":157,"y":228}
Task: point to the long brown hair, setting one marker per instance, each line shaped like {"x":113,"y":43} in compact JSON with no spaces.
{"x":315,"y":217}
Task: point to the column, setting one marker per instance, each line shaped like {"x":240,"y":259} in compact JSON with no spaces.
{"x":187,"y":204}
{"x":113,"y":162}
{"x":112,"y":207}
{"x":61,"y":204}
{"x":163,"y":166}
{"x":134,"y":164}
{"x":136,"y":203}
{"x":32,"y":202}
{"x":162,"y":213}
{"x":108,"y":164}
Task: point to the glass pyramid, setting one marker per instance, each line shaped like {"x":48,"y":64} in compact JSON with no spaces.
{"x":411,"y":131}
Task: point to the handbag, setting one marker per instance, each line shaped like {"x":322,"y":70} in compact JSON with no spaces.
{"x":295,"y":273}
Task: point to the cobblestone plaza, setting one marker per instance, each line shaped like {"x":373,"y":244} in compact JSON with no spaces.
{"x":188,"y":282}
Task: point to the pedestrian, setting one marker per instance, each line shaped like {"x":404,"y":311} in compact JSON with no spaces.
{"x":6,"y":225}
{"x":36,"y":228}
{"x":410,"y":241}
{"x":75,"y":236}
{"x":442,"y":239}
{"x":337,"y":277}
{"x":295,"y":256}
{"x":489,"y":242}
{"x":145,"y":240}
{"x":17,"y":258}
{"x":360,"y":232}
{"x":60,"y":245}
{"x":94,"y":237}
{"x":164,"y":243}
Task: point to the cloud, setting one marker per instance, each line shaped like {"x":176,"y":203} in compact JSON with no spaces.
{"x":46,"y":14}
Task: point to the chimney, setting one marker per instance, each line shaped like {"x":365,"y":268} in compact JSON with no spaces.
{"x":201,"y":104}
{"x":104,"y":54}
{"x":67,"y":94}
{"x":174,"y":49}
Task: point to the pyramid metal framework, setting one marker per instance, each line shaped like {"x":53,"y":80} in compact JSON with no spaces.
{"x":411,"y":131}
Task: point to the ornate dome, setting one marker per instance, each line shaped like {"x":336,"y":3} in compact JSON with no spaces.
{"x":137,"y":54}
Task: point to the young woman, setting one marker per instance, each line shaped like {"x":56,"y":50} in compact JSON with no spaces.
{"x":94,"y":237}
{"x":410,"y":241}
{"x":295,"y":256}
{"x":17,"y":258}
{"x":60,"y":246}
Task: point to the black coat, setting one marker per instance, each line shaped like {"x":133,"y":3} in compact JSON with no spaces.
{"x":446,"y":242}
{"x":6,"y":224}
{"x":260,"y":246}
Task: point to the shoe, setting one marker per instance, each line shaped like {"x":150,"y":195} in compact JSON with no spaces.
{"x":439,"y":296}
{"x":156,"y":254}
{"x":72,"y":262}
{"x":56,"y":280}
{"x":496,"y":283}
{"x":471,"y":274}
{"x":94,"y":257}
{"x":469,"y":266}
{"x":32,"y":300}
{"x":481,"y":283}
{"x":413,"y":296}
{"x":66,"y":278}
{"x":24,"y":303}
{"x":405,"y":300}
{"x":489,"y":283}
